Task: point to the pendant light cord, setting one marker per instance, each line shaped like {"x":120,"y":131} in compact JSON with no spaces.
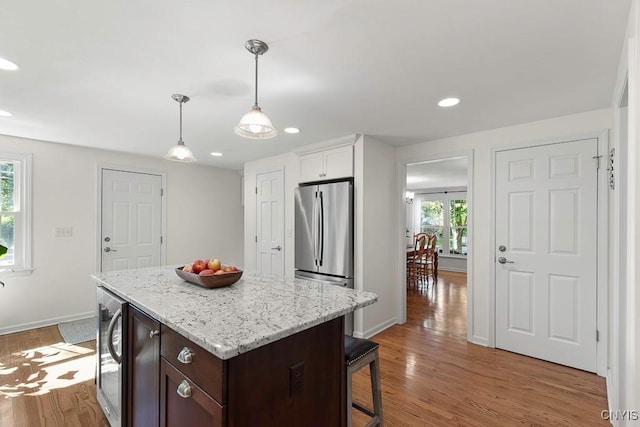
{"x":180,"y":141}
{"x":256,"y":94}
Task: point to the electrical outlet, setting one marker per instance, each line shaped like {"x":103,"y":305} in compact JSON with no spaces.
{"x":63,"y":231}
{"x":296,"y":379}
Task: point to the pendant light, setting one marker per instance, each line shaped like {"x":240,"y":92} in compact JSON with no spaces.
{"x":180,"y":152}
{"x":255,"y":124}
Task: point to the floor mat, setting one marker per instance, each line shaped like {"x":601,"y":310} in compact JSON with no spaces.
{"x":78,"y":331}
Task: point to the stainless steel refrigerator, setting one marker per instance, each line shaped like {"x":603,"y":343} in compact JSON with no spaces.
{"x":324,"y":234}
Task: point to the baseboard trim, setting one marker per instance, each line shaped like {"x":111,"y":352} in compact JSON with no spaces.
{"x":480,"y":341}
{"x":376,"y":329}
{"x":47,"y":322}
{"x":455,"y":270}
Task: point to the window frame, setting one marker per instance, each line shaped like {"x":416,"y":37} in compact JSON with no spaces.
{"x":22,"y":229}
{"x":445,"y":198}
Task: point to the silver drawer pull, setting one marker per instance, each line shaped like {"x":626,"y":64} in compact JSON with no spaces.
{"x":184,"y":389}
{"x":185,"y":356}
{"x":153,"y":333}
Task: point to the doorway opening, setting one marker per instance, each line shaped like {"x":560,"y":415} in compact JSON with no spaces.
{"x":437,"y":203}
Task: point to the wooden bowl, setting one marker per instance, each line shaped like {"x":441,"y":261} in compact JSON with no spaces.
{"x":215,"y":281}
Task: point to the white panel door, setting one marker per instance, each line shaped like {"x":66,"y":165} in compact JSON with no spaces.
{"x":546,"y":229}
{"x":131,"y":220}
{"x":270,"y":222}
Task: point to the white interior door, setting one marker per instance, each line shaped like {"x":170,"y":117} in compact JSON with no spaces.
{"x":131,"y":220}
{"x":546,"y":233}
{"x":270,"y":222}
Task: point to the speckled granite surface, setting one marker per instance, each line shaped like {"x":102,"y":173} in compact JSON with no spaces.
{"x":256,"y":310}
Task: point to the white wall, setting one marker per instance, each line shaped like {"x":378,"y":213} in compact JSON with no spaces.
{"x":204,"y":219}
{"x":289,"y":164}
{"x":481,"y":143}
{"x":375,"y":175}
{"x":623,"y":377}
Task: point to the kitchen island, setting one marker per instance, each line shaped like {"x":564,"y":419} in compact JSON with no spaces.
{"x":264,"y":351}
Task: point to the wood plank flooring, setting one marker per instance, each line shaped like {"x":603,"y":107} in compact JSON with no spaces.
{"x":430,"y":376}
{"x":45,"y":382}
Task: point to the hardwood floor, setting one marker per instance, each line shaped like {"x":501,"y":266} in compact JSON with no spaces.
{"x":45,"y":382}
{"x":431,"y":376}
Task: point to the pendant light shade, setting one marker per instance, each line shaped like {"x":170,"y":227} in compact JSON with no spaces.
{"x":255,"y":124}
{"x":180,"y":152}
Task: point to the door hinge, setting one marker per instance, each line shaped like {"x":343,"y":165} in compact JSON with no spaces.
{"x":161,"y":240}
{"x":256,"y":239}
{"x":256,"y":190}
{"x":597,"y":159}
{"x":597,"y":335}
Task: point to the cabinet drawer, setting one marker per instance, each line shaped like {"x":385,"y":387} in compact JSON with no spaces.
{"x":204,"y":369}
{"x":183,"y":403}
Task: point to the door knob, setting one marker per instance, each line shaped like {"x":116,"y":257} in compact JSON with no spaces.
{"x":108,"y":249}
{"x":278,"y":248}
{"x":503,"y":260}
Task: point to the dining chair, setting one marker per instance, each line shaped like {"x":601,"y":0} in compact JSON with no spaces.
{"x":415,"y":270}
{"x":429,"y":263}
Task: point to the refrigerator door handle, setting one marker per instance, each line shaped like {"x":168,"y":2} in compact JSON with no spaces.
{"x":314,"y":226}
{"x":321,"y":229}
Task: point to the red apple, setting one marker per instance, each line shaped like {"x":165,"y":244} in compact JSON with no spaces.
{"x":207,"y":272}
{"x":228,"y":269}
{"x":188,"y":268}
{"x":221,"y":271}
{"x":198,"y":266}
{"x":214,"y":264}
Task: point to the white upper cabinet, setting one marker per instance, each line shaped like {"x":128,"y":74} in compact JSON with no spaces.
{"x":327,"y":164}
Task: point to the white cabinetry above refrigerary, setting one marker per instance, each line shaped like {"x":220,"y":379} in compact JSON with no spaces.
{"x":326,"y":164}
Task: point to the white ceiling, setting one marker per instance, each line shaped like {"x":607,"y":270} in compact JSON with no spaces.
{"x":437,"y":174}
{"x":101,"y":74}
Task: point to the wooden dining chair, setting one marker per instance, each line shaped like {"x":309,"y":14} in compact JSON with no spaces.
{"x":415,"y":271}
{"x":430,"y":261}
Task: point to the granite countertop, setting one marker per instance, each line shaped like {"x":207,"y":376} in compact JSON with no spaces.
{"x":256,"y":310}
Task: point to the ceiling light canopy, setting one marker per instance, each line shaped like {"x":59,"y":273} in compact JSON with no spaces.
{"x":292,"y":130}
{"x":5,"y":64}
{"x":449,"y":102}
{"x":180,"y":152}
{"x":5,"y":113}
{"x":255,"y":124}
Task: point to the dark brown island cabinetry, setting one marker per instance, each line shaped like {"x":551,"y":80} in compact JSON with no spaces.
{"x":295,"y":381}
{"x":143,"y":384}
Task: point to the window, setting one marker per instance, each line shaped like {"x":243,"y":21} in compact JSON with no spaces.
{"x":15,"y":218}
{"x":445,"y":214}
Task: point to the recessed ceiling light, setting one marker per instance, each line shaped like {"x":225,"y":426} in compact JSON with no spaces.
{"x":449,"y":102}
{"x":5,"y":64}
{"x":292,"y":130}
{"x":5,"y":113}
{"x":216,"y":154}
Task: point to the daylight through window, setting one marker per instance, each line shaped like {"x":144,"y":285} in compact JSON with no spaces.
{"x":14,"y":218}
{"x":446,"y":216}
